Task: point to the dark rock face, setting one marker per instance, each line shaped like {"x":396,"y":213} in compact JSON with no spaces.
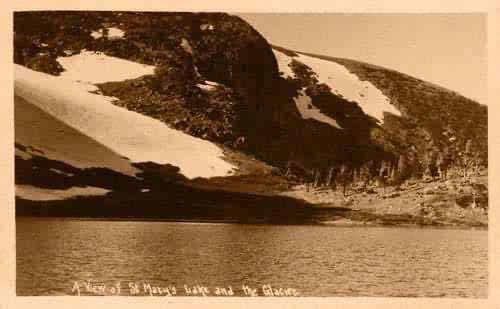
{"x":224,"y":48}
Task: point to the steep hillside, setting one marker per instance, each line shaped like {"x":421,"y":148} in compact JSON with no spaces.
{"x":409,"y":117}
{"x":448,"y":117}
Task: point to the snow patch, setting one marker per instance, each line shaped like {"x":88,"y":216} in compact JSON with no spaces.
{"x":112,"y":33}
{"x":371,"y":100}
{"x":22,"y":154}
{"x":60,"y":172}
{"x":309,"y":111}
{"x":115,"y":33}
{"x":130,"y":134}
{"x":303,"y":102}
{"x":97,"y":34}
{"x":95,"y":68}
{"x":208,"y":85}
{"x":284,"y":64}
{"x":186,"y":46}
{"x":211,"y":83}
{"x":205,"y":87}
{"x":205,"y":27}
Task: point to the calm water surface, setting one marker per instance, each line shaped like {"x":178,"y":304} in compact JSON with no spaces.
{"x":315,"y":260}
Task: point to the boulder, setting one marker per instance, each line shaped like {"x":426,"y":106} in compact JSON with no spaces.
{"x":429,"y":191}
{"x":371,"y":191}
{"x":464,"y":200}
{"x":393,"y":195}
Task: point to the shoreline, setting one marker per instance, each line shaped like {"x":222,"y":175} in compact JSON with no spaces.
{"x":456,"y":202}
{"x":420,"y":204}
{"x":340,"y":223}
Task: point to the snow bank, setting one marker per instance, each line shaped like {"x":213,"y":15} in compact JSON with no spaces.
{"x":135,"y":136}
{"x":32,"y":193}
{"x":309,"y":111}
{"x":95,"y":68}
{"x":43,"y":135}
{"x":342,"y":82}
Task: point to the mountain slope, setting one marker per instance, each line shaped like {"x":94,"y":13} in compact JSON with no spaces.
{"x":342,"y":83}
{"x":186,"y":48}
{"x":442,"y":112}
{"x":410,"y":113}
{"x":205,"y":95}
{"x":132,"y":135}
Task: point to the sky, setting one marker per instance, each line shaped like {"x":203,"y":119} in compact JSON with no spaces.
{"x":446,"y":49}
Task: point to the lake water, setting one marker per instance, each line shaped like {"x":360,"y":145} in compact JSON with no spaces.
{"x":58,"y":256}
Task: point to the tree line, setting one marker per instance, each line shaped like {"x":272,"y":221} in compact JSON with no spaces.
{"x":432,"y":165}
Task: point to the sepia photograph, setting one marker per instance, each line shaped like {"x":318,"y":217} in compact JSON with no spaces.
{"x":219,"y":154}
